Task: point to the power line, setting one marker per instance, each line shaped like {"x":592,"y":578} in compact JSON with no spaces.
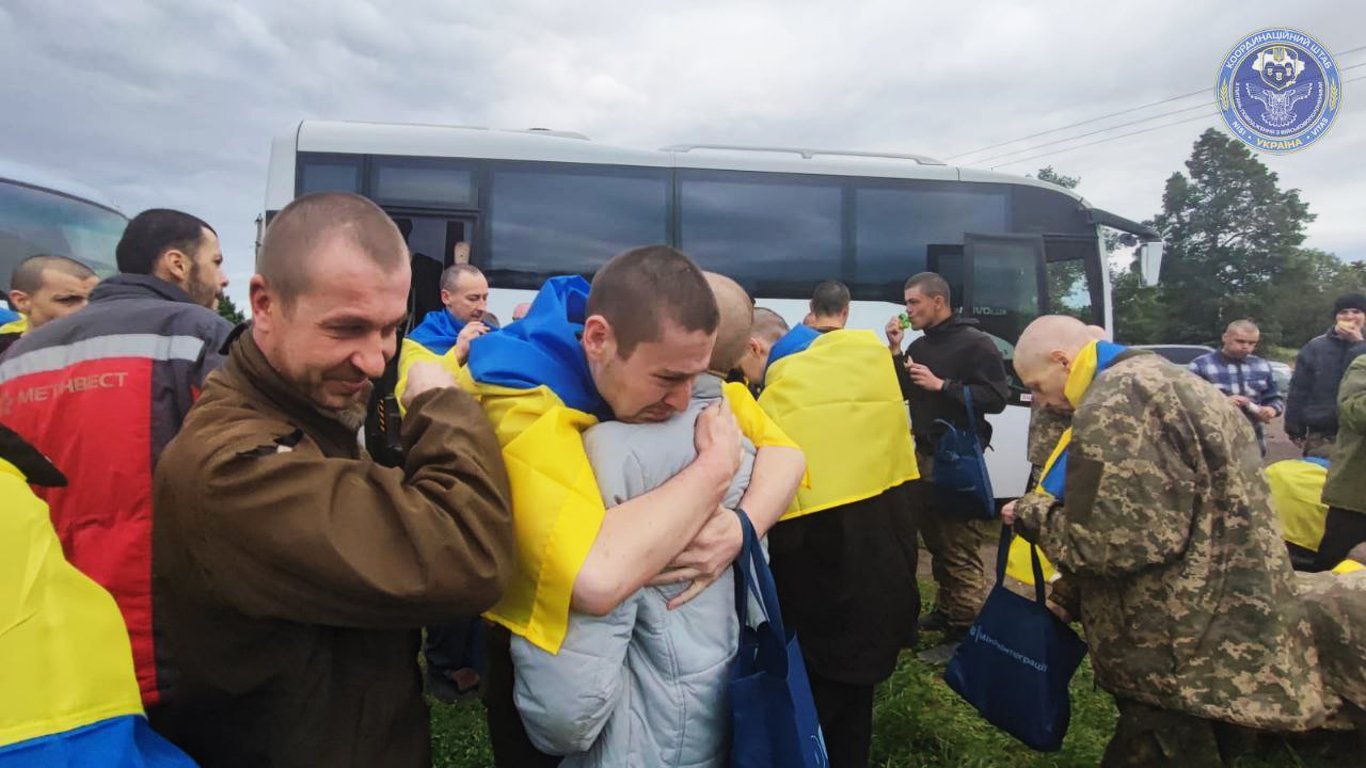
{"x":986,"y":160}
{"x":1131,"y":133}
{"x":1117,"y":114}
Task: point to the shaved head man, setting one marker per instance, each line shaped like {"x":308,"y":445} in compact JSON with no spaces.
{"x":1044,"y":356}
{"x":1245,"y":378}
{"x":323,"y":560}
{"x":1158,"y":518}
{"x":44,"y":288}
{"x":737,"y":317}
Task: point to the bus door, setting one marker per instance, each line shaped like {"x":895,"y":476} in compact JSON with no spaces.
{"x":435,"y":241}
{"x":1004,"y":289}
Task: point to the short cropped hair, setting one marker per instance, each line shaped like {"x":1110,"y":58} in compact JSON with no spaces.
{"x":28,"y":274}
{"x":450,"y":278}
{"x":1242,"y":326}
{"x":736,"y":310}
{"x":640,"y":288}
{"x":154,"y":232}
{"x":768,"y":325}
{"x":930,"y":284}
{"x":314,"y":220}
{"x":831,"y":297}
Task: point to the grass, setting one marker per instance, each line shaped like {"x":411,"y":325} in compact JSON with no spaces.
{"x":918,"y":721}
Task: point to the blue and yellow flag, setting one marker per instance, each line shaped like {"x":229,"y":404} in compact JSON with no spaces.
{"x":13,"y":322}
{"x":69,"y":697}
{"x":1093,"y":359}
{"x":837,"y":396}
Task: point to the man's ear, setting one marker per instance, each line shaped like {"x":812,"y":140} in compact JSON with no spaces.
{"x":445,"y":297}
{"x":599,"y":341}
{"x":1060,"y":357}
{"x":173,"y":266}
{"x":21,"y":301}
{"x":263,"y":303}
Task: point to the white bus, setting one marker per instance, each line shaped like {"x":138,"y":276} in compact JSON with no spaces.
{"x":42,"y":213}
{"x":532,"y":204}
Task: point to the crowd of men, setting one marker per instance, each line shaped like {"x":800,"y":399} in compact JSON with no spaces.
{"x":578,"y":479}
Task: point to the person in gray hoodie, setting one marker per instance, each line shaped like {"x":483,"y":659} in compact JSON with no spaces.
{"x":646,"y":684}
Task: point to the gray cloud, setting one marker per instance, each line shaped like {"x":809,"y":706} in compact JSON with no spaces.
{"x":175,"y":103}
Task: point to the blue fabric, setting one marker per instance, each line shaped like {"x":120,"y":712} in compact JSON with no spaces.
{"x":120,"y":742}
{"x":773,"y":716}
{"x":437,"y":331}
{"x":1017,"y":661}
{"x":1325,"y":463}
{"x":794,"y":341}
{"x":1054,"y":481}
{"x":962,"y":486}
{"x":543,"y":349}
{"x":7,"y":316}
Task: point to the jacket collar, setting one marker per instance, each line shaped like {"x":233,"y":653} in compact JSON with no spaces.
{"x":248,"y":363}
{"x":128,"y":286}
{"x":955,"y":322}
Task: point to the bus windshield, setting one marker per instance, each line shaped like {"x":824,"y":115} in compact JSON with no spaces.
{"x":34,"y":221}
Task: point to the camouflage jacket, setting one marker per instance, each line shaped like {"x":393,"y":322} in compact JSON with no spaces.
{"x":1045,"y":430}
{"x":1168,"y":534}
{"x":1337,"y":611}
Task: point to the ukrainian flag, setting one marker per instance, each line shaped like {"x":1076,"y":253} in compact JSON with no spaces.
{"x":68,"y":695}
{"x":837,"y":396}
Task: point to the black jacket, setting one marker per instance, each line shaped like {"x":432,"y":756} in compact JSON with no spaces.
{"x":1312,"y":404}
{"x":956,"y":351}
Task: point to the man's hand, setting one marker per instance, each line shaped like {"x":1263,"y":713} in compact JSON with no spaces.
{"x":1266,"y":414}
{"x":1059,"y":611}
{"x":470,"y":332}
{"x":1241,"y":401}
{"x":716,"y":436}
{"x":1350,"y":332}
{"x":708,"y":556}
{"x":1008,"y":513}
{"x":923,"y":377}
{"x":895,"y":334}
{"x":424,"y":376}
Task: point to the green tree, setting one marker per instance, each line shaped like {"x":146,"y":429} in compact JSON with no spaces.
{"x":229,"y":310}
{"x":1048,"y":174}
{"x":1231,"y":234}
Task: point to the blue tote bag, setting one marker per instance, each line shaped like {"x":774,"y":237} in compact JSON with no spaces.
{"x":1017,"y":660}
{"x":773,"y":719}
{"x":962,"y":487}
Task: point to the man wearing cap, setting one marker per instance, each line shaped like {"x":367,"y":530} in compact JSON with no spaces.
{"x":1311,"y":408}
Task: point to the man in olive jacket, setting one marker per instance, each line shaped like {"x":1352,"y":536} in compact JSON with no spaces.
{"x":1167,"y":534}
{"x":294,"y":571}
{"x":1345,"y":491}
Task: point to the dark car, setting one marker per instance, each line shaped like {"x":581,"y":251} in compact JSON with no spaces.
{"x":1181,"y":354}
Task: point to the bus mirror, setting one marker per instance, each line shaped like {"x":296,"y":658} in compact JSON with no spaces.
{"x":1150,"y":262}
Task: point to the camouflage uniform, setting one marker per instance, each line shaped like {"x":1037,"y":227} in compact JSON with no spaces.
{"x":1337,"y":611}
{"x":1186,"y":591}
{"x":1045,"y":430}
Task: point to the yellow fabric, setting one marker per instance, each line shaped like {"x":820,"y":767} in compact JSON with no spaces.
{"x":65,"y":659}
{"x":411,"y":352}
{"x":1082,"y":374}
{"x":761,"y":430}
{"x":15,"y":326}
{"x":556,"y":507}
{"x":1348,"y":566}
{"x":1297,"y":494}
{"x":844,"y":378}
{"x":1079,"y":378}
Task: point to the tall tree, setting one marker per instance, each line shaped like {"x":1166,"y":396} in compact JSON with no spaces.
{"x":229,"y":310}
{"x":1231,"y":232}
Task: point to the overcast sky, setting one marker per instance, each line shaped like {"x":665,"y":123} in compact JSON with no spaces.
{"x":174,"y":103}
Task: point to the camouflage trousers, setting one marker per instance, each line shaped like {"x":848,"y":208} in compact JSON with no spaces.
{"x":1148,"y":736}
{"x":955,"y":547}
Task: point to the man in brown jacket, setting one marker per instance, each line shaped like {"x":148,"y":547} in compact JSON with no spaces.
{"x":291,"y":569}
